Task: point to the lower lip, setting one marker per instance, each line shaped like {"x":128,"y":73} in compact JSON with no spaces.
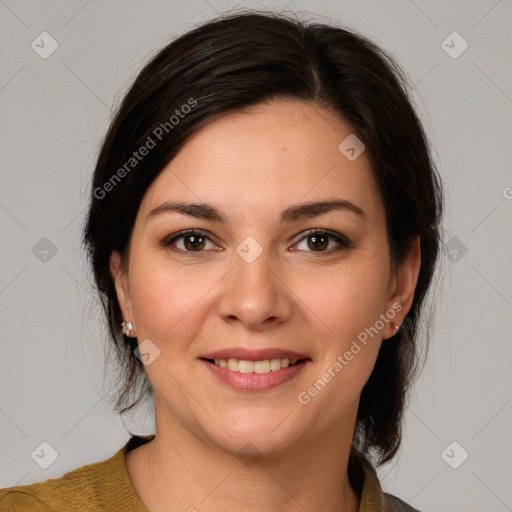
{"x":255,"y":381}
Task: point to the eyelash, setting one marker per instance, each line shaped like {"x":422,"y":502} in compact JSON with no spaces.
{"x":343,"y":241}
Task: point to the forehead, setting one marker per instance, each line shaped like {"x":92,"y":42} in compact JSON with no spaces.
{"x":273,"y":154}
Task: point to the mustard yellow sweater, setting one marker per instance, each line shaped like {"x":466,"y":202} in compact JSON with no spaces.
{"x":106,"y":487}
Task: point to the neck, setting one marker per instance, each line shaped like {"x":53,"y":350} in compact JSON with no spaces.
{"x":192,"y":473}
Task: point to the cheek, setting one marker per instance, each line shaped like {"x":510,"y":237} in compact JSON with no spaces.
{"x":346,"y":307}
{"x":167,"y":302}
{"x":347,"y":299}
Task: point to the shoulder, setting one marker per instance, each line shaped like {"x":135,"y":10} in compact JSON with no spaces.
{"x":397,"y":505}
{"x":14,"y":500}
{"x":373,"y":499}
{"x":89,"y":488}
{"x":74,"y":489}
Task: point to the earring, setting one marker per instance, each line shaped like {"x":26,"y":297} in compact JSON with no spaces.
{"x":396,"y":327}
{"x":127,"y":328}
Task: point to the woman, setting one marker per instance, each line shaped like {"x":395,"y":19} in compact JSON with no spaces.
{"x":263,"y":230}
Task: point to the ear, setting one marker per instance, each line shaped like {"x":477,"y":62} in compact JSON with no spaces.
{"x":402,"y":287}
{"x":120,"y":277}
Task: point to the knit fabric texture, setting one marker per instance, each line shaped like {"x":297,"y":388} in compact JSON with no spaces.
{"x":106,"y":487}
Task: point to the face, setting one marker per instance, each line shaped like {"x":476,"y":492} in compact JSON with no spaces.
{"x":224,"y":297}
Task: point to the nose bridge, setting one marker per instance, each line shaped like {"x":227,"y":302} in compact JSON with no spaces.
{"x":253,"y":292}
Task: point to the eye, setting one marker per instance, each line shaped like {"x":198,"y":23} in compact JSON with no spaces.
{"x":318,"y":240}
{"x":189,"y":241}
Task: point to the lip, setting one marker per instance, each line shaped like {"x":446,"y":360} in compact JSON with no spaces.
{"x":254,"y":355}
{"x":255,"y":381}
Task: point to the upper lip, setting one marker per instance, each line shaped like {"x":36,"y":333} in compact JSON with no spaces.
{"x":254,"y":355}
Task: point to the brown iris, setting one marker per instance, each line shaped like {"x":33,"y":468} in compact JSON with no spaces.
{"x":194,"y":242}
{"x":318,"y":241}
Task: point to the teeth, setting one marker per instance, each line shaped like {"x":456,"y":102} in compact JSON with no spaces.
{"x":275,"y":364}
{"x":264,"y":366}
{"x":245,"y":366}
{"x":233,"y":365}
{"x":261,"y":366}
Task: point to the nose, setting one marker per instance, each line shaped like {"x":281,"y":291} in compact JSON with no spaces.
{"x":254,"y":294}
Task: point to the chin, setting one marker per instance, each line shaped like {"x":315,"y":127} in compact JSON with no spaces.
{"x":253,"y":444}
{"x":252,"y":433}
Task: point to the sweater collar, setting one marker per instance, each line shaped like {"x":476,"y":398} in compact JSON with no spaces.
{"x":362,"y":475}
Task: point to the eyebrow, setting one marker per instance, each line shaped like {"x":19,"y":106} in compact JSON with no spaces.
{"x":291,"y":214}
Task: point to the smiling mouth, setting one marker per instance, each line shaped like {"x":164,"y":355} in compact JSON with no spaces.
{"x":262,"y":366}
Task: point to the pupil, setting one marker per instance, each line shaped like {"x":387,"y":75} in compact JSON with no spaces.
{"x":194,"y":242}
{"x":318,"y":241}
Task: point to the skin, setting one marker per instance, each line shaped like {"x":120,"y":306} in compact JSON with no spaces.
{"x":253,"y":165}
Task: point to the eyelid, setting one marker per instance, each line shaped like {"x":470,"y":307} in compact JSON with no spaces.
{"x":323,"y":231}
{"x":341,"y":239}
{"x":170,"y":240}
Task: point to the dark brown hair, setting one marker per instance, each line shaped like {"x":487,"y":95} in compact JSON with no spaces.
{"x":241,"y":60}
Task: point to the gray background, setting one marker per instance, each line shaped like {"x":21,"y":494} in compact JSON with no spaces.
{"x":54,"y":112}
